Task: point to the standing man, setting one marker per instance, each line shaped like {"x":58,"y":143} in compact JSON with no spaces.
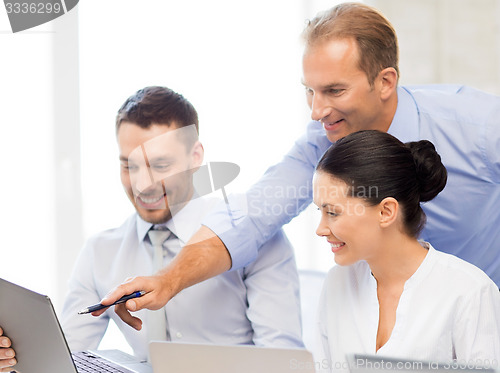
{"x":157,"y":133}
{"x":350,"y":72}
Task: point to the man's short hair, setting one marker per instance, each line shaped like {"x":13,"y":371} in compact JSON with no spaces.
{"x":374,"y":35}
{"x":161,"y":106}
{"x":157,"y":105}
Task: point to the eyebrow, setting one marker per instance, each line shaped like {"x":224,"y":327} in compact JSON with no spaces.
{"x":161,"y":159}
{"x":327,"y":86}
{"x":333,"y":85}
{"x":152,"y":160}
{"x":328,"y":205}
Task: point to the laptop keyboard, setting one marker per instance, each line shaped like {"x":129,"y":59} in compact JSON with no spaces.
{"x":87,"y":362}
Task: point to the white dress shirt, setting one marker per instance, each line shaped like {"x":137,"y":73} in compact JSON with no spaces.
{"x":258,"y":304}
{"x":449,"y":309}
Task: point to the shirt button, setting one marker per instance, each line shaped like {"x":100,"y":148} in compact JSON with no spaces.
{"x":178,"y":335}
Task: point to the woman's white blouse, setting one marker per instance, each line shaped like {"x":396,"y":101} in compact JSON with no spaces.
{"x":449,"y":310}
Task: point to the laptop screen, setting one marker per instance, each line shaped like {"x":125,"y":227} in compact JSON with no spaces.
{"x":29,"y":320}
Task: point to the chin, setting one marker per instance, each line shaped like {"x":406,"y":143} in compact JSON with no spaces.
{"x":334,"y":137}
{"x":339,"y":260}
{"x":155,"y":218}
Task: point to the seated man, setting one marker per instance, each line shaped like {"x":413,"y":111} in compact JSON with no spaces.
{"x":157,"y":133}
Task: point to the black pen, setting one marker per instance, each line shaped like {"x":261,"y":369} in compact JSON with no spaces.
{"x":97,"y":307}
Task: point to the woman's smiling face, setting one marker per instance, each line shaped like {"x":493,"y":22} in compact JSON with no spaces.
{"x":349,"y":224}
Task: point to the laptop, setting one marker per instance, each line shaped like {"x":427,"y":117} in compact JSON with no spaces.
{"x":30,"y":321}
{"x":362,"y":363}
{"x":168,"y":357}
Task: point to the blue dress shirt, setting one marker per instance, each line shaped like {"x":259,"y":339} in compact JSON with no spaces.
{"x":258,"y":304}
{"x":463,"y":220}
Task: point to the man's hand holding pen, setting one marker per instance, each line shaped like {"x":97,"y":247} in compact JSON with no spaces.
{"x":203,"y":257}
{"x":100,"y":306}
{"x":154,"y":291}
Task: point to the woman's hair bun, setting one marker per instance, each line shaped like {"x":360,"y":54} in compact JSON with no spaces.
{"x":431,"y":173}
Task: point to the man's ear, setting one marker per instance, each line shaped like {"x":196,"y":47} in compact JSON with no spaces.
{"x":388,"y":78}
{"x":389,"y":211}
{"x":197,"y":154}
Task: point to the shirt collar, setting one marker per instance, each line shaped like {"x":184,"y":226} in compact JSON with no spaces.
{"x":187,"y":221}
{"x":405,"y":124}
{"x":143,"y":228}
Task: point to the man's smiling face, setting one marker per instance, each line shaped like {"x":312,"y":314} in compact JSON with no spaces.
{"x":338,"y":91}
{"x":155,"y":169}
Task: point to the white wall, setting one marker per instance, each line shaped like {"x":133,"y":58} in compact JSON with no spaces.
{"x":27,"y":227}
{"x":447,"y":41}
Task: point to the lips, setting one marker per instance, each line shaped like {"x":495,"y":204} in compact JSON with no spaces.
{"x":331,"y":126}
{"x":151,"y":202}
{"x":337,"y":246}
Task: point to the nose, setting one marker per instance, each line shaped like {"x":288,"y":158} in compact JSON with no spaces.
{"x":142,"y":180}
{"x":323,"y":229}
{"x":319,"y":107}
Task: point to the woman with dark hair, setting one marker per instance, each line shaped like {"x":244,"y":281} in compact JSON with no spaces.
{"x":390,"y":293}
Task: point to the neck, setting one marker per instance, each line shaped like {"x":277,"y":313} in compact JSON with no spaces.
{"x":398,"y":259}
{"x":388,"y":112}
{"x":388,"y":108}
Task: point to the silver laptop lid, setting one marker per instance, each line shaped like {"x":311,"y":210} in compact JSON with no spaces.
{"x":168,"y":357}
{"x":29,"y":319}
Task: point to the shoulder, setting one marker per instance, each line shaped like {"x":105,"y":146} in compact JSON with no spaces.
{"x":461,"y":100}
{"x":461,"y":274}
{"x":113,"y":236}
{"x":450,"y":91}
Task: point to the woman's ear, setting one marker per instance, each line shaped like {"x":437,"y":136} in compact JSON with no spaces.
{"x":389,"y":211}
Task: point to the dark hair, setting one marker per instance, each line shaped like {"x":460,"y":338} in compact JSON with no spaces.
{"x":374,"y":35}
{"x":376,"y":165}
{"x":157,"y":105}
